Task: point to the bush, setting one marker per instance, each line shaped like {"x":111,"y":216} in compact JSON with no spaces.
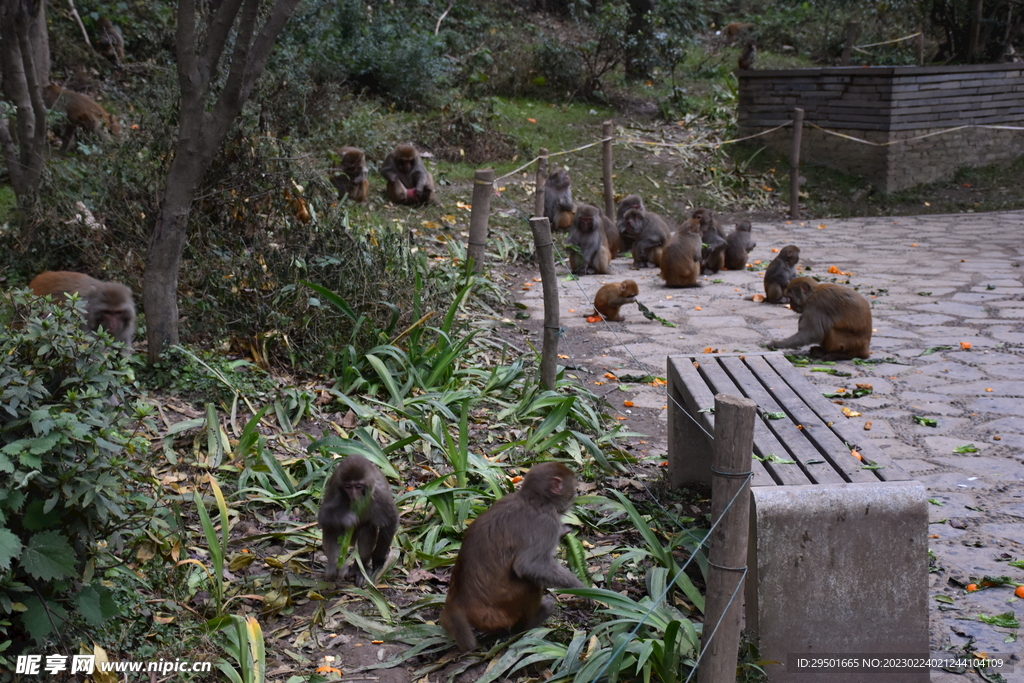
{"x":66,"y":479}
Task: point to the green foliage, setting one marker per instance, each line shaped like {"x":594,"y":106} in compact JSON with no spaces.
{"x":382,"y":49}
{"x":67,"y":484}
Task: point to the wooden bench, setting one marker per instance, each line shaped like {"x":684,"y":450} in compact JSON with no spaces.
{"x":838,"y":554}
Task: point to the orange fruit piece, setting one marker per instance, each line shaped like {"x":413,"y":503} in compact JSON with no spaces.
{"x":628,"y":404}
{"x":1019,"y":592}
{"x":971,"y":587}
{"x":965,"y":345}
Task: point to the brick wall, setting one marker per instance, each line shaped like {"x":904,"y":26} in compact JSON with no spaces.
{"x":891,"y":104}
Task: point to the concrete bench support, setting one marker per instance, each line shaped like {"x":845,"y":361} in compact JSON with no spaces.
{"x":838,"y":553}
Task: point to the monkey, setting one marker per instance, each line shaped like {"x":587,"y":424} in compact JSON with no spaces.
{"x":781,"y":271}
{"x":613,"y":296}
{"x":733,"y":30}
{"x":82,"y":112}
{"x":748,"y":56}
{"x":507,"y":559}
{"x":357,"y":496}
{"x":739,"y":244}
{"x":110,"y":42}
{"x":648,"y":232}
{"x":587,"y":234}
{"x":680,"y":260}
{"x":712,"y":256}
{"x":708,"y":221}
{"x":409,"y":182}
{"x":834,"y":316}
{"x":559,"y":207}
{"x":107,"y":304}
{"x":352,"y":180}
{"x":628,"y":202}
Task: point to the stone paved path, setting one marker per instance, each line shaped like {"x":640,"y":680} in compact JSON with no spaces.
{"x":932,"y":281}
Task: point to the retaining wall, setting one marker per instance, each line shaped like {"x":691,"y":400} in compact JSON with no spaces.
{"x":888,"y":105}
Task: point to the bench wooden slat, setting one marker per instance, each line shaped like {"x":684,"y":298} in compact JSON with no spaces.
{"x":817,"y":468}
{"x":846,"y":431}
{"x":816,"y":429}
{"x":764,"y":440}
{"x":692,"y":395}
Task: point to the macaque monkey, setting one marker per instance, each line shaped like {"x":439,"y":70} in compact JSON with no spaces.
{"x":739,"y":244}
{"x":352,"y":180}
{"x":834,"y":316}
{"x":732,"y":31}
{"x":680,"y":260}
{"x":409,"y":182}
{"x":109,"y":42}
{"x":507,"y":559}
{"x":82,"y":112}
{"x":559,"y":208}
{"x":588,"y":236}
{"x":613,"y":296}
{"x":357,"y":496}
{"x":748,"y":56}
{"x":628,"y":202}
{"x":712,"y":255}
{"x":781,"y":271}
{"x":107,"y":304}
{"x":648,"y":233}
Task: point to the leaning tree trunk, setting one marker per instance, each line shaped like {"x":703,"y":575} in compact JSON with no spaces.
{"x":200,"y":135}
{"x":24,"y":70}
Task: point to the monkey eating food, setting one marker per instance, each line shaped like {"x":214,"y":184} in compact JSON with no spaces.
{"x":834,"y":316}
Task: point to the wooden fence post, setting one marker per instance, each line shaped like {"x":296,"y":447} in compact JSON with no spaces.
{"x":542,"y":176}
{"x":920,"y":46}
{"x":483,"y":190}
{"x":609,"y":189}
{"x":794,"y":164}
{"x":541,"y":228}
{"x":852,"y":29}
{"x":727,"y":558}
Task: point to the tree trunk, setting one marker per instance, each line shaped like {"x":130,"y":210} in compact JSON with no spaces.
{"x":25,"y":68}
{"x":200,"y":135}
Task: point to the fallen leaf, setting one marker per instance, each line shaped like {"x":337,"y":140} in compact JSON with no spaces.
{"x":865,"y":386}
{"x":610,"y":375}
{"x":563,"y":356}
{"x":821,"y":227}
{"x":997,"y":438}
{"x":854,"y":453}
{"x":516,"y":479}
{"x":850,"y":413}
{"x":707,"y":349}
{"x":532,"y":120}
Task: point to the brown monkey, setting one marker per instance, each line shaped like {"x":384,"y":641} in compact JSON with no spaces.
{"x":739,"y":244}
{"x":409,"y":182}
{"x":733,"y":30}
{"x":352,"y":181}
{"x":632,"y":201}
{"x":834,"y":316}
{"x":708,"y":221}
{"x":507,"y":559}
{"x":107,"y":304}
{"x":559,"y":207}
{"x":357,"y":496}
{"x":680,"y":260}
{"x":648,"y":233}
{"x":82,"y":112}
{"x":613,"y":296}
{"x":781,"y":271}
{"x":748,"y":56}
{"x":588,"y":236}
{"x":712,"y":255}
{"x":110,"y":42}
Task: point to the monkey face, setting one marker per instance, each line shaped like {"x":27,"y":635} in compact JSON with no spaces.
{"x":798,"y":291}
{"x":355,"y":490}
{"x":113,"y":321}
{"x":629,"y":288}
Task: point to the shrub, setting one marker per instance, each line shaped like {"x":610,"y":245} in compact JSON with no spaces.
{"x":66,"y":479}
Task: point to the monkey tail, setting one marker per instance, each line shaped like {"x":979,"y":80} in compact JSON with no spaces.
{"x":455,"y":622}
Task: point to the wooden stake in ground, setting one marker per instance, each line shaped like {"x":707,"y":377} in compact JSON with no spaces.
{"x":794,"y":164}
{"x":852,"y":29}
{"x":541,"y":228}
{"x":727,"y":558}
{"x":609,"y":189}
{"x":542,"y":177}
{"x":483,"y":189}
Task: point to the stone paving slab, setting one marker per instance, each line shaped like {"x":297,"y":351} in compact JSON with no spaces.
{"x":931,"y":284}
